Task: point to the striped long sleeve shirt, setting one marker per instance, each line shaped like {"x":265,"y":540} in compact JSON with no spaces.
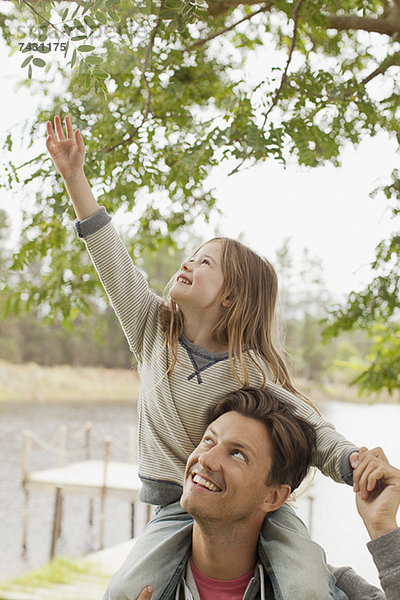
{"x":172,"y":409}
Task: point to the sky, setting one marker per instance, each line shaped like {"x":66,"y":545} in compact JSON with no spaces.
{"x":327,"y":210}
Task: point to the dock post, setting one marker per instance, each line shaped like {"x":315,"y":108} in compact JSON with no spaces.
{"x":26,"y":452}
{"x":107,"y":444}
{"x":88,"y":447}
{"x":56,"y":521}
{"x":132,"y":519}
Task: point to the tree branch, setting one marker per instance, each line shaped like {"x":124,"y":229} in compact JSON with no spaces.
{"x":144,"y":79}
{"x":296,"y":13}
{"x":389,"y":61}
{"x":383,"y":25}
{"x":278,"y":92}
{"x":203,"y":41}
{"x":218,"y":7}
{"x":33,"y":9}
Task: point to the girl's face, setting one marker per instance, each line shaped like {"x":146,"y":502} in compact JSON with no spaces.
{"x":199,"y":281}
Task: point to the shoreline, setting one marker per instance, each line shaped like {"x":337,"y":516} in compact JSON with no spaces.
{"x":30,"y":382}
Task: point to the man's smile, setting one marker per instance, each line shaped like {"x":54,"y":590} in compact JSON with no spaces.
{"x":202,"y":481}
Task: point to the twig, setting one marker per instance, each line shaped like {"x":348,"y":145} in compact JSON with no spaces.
{"x":201,"y":42}
{"x":278,"y":92}
{"x":33,"y":9}
{"x":389,"y":61}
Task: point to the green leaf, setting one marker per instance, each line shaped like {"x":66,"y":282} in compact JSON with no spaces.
{"x":77,"y":38}
{"x":43,"y":37}
{"x":73,"y":59}
{"x":101,"y":17}
{"x":66,"y":49}
{"x":82,"y":66}
{"x":115,"y":16}
{"x":64,"y":14}
{"x":100,"y":74}
{"x":38,"y":62}
{"x":44,"y":50}
{"x":90,"y":22}
{"x":94,"y":60}
{"x":88,"y":79}
{"x":30,"y":72}
{"x":76,"y":10}
{"x":27,"y":61}
{"x":86,"y":48}
{"x":79,"y":26}
{"x":88,"y":5}
{"x":98,"y":4}
{"x":168,"y":14}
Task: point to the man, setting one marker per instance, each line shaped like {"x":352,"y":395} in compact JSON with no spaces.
{"x":253,"y":454}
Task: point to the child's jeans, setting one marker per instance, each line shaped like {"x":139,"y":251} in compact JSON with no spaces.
{"x":295,"y":564}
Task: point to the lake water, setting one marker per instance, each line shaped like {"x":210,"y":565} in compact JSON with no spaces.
{"x":335,"y":523}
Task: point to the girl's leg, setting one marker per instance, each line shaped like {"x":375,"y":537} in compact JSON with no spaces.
{"x":295,"y":563}
{"x":157,"y":558}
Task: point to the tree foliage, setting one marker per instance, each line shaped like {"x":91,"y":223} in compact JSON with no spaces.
{"x":161,"y":95}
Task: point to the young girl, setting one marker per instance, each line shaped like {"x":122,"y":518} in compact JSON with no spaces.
{"x":214,"y":333}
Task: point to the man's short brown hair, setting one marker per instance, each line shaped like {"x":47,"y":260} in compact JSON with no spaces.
{"x":293,"y":438}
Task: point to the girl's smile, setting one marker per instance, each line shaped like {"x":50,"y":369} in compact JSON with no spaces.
{"x":199,"y":281}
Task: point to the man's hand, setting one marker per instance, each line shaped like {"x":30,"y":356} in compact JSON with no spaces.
{"x":68,"y":153}
{"x":146,"y":593}
{"x":377,"y":485}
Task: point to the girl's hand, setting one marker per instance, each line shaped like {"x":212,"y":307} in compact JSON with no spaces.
{"x":68,"y":154}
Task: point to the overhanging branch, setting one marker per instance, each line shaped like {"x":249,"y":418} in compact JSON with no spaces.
{"x":144,"y":79}
{"x":203,"y":41}
{"x":383,"y":25}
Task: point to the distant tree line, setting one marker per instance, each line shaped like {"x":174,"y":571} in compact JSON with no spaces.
{"x":96,"y":338}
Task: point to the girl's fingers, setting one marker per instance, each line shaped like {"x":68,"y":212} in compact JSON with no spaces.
{"x":50,"y":131}
{"x":79,"y":141}
{"x":369,"y":471}
{"x":59,"y":129}
{"x":68,"y":125}
{"x":49,"y":144}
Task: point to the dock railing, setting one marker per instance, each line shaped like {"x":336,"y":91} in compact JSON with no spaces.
{"x":94,"y":478}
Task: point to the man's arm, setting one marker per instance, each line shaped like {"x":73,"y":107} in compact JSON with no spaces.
{"x":377,"y":487}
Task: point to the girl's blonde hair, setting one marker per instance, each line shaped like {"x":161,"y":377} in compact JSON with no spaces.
{"x":248,"y":323}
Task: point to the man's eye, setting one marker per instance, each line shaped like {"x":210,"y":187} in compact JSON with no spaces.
{"x":238,"y":454}
{"x":207,"y":440}
{"x":205,"y":261}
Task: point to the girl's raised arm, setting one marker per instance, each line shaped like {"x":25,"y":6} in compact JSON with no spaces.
{"x":68,"y":154}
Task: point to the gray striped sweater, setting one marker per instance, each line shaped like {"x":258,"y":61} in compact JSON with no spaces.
{"x":172,"y":409}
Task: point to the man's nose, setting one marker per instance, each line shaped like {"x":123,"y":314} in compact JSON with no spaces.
{"x":211,"y":459}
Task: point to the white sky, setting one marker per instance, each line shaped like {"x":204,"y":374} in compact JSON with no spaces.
{"x":327,"y":210}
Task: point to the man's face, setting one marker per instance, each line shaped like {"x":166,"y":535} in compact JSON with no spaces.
{"x":225,"y":477}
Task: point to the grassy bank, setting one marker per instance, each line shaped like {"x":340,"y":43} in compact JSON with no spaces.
{"x":31,"y":382}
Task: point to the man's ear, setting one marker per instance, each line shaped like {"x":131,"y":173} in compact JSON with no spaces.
{"x":226,"y":302}
{"x":276,"y":497}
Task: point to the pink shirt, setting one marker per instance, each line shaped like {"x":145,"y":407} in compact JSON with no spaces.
{"x":217,"y":589}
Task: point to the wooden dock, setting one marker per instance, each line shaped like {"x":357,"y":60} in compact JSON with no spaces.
{"x":91,"y":478}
